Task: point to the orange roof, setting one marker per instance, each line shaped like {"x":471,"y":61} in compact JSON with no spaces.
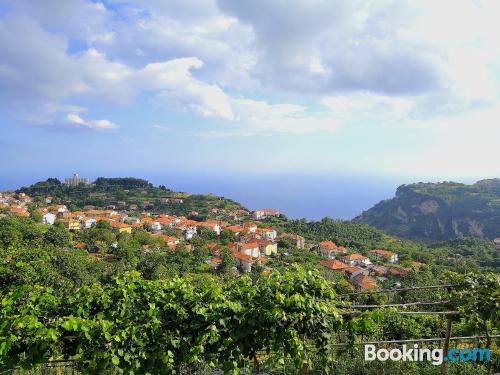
{"x":384,"y":253}
{"x":365,"y":282}
{"x":333,"y":264}
{"x":250,"y":245}
{"x":327,"y":245}
{"x":399,"y":271}
{"x":224,"y":224}
{"x":352,"y":269}
{"x":80,"y":245}
{"x":211,"y":221}
{"x":207,"y":224}
{"x":164,"y":220}
{"x":354,"y":256}
{"x":235,"y":228}
{"x":248,"y":224}
{"x":243,"y":257}
{"x":116,"y":224}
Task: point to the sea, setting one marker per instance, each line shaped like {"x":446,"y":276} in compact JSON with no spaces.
{"x":312,"y":197}
{"x":308,"y":196}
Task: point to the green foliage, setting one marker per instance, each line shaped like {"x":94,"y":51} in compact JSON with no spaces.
{"x":139,"y":326}
{"x":57,"y":236}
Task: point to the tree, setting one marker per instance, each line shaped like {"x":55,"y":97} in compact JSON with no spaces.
{"x":57,"y":236}
{"x":227,"y":263}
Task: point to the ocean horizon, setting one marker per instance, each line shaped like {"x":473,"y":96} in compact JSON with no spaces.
{"x":312,"y":197}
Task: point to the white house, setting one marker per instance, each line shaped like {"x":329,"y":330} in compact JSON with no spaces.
{"x":212,"y":225}
{"x":267,"y":234}
{"x":250,"y":249}
{"x":89,"y":222}
{"x":384,"y":254}
{"x":330,"y":250}
{"x":357,"y":260}
{"x":49,"y":218}
{"x":189,"y":232}
{"x":266,"y":212}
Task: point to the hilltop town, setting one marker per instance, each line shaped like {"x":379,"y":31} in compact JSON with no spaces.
{"x":251,"y":242}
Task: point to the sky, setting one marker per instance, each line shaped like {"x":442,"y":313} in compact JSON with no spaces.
{"x":403,"y":89}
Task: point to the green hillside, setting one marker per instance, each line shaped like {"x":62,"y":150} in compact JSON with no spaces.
{"x":128,"y":193}
{"x":439,"y":211}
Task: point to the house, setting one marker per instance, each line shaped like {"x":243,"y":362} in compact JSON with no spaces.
{"x":189,"y":230}
{"x":236,"y":229}
{"x":250,"y":249}
{"x":496,"y":241}
{"x":266,"y":233}
{"x":333,"y":264}
{"x":297,"y":240}
{"x":264,"y":213}
{"x":170,"y":240}
{"x":356,"y":260}
{"x":122,"y":228}
{"x":250,"y":227}
{"x":399,"y":272}
{"x":71,"y":224}
{"x":267,"y":248}
{"x":214,"y":263}
{"x":214,"y":248}
{"x":243,"y":262}
{"x":385,"y":255}
{"x":364,"y":282}
{"x":353,"y":271}
{"x":378,"y":270}
{"x":88,"y":222}
{"x":61,"y":208}
{"x":212,"y":225}
{"x":163,"y":222}
{"x":49,"y":218}
{"x":330,"y":250}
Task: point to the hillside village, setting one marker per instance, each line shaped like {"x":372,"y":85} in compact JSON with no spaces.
{"x":254,"y":243}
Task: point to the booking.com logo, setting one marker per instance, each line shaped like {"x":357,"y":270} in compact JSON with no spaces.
{"x":416,"y":354}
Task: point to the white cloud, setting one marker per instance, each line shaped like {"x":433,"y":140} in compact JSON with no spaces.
{"x":384,"y":63}
{"x":259,"y":117}
{"x":75,"y":119}
{"x":58,"y":75}
{"x":175,"y":83}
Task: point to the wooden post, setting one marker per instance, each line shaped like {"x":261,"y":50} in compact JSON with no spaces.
{"x":446,"y":347}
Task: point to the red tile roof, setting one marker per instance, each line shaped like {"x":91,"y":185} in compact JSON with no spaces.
{"x":327,"y":245}
{"x":333,"y":264}
{"x":354,"y":256}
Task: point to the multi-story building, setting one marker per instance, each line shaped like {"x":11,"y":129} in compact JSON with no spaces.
{"x":76,"y":180}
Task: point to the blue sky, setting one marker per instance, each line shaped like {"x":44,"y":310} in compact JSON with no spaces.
{"x":401,"y":89}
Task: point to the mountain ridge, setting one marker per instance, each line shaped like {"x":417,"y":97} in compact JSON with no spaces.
{"x":441,"y":211}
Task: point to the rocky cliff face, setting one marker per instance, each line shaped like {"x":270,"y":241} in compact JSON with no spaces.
{"x":442,"y":211}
